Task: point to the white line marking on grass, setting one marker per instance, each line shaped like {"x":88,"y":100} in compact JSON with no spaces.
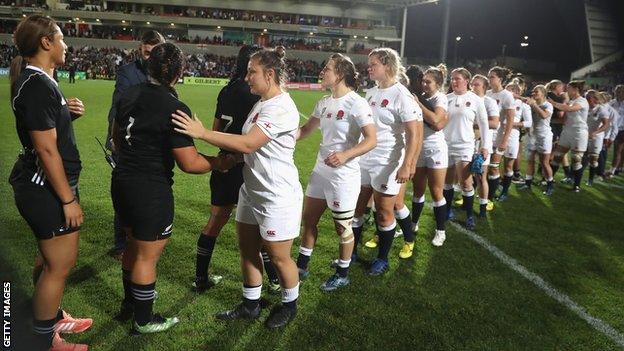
{"x":596,"y":323}
{"x":303,"y":116}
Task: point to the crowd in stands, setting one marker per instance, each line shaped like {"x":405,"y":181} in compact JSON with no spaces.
{"x":239,"y":15}
{"x":102,"y":63}
{"x":7,"y":26}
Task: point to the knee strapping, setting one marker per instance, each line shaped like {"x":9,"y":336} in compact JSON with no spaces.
{"x":345,"y":220}
{"x":593,"y":160}
{"x":577,"y":160}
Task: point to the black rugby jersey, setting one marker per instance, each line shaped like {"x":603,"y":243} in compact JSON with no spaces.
{"x":147,"y":136}
{"x":234,"y":103}
{"x":39,"y":105}
{"x":556,"y":98}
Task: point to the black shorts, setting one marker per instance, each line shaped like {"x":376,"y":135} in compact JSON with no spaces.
{"x":224,"y":187}
{"x":620,"y":136}
{"x":40,"y":206}
{"x":145,"y":205}
{"x":556,"y":128}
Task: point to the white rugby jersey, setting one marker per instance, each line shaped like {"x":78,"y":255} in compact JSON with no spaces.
{"x":341,"y":122}
{"x":464,"y":110}
{"x":503,"y":98}
{"x":505,"y":101}
{"x":491,"y":107}
{"x":618,"y":106}
{"x":614,"y":121}
{"x":541,"y":125}
{"x":432,"y":138}
{"x":577,"y":119}
{"x":391,"y":107}
{"x":594,"y":119}
{"x":270,"y":173}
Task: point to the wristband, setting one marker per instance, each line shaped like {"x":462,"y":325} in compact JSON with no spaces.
{"x":67,"y":203}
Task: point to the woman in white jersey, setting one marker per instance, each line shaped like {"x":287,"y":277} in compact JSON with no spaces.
{"x":610,"y":135}
{"x":465,"y":109}
{"x":343,"y":117}
{"x":270,"y":201}
{"x":522,"y":119}
{"x":540,"y":140}
{"x":618,"y":149}
{"x":598,"y":124}
{"x":479,"y":85}
{"x":574,"y":136}
{"x":392,"y":162}
{"x":433,"y":160}
{"x":505,"y":100}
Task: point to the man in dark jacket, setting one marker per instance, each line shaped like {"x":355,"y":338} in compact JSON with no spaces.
{"x":128,"y":75}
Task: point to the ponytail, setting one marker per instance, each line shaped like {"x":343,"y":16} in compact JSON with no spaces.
{"x":17,"y":66}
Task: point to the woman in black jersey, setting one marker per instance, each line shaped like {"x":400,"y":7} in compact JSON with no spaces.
{"x":233,"y":105}
{"x":147,"y":146}
{"x":45,"y":176}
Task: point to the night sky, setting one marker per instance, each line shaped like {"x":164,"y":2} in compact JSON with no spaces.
{"x":556,"y":30}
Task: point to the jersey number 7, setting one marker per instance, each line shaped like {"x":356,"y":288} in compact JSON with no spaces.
{"x":128,"y":135}
{"x":230,"y":120}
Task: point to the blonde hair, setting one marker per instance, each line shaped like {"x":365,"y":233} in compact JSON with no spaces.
{"x":593,"y":94}
{"x":541,"y":88}
{"x":553,"y":84}
{"x":391,"y":59}
{"x":514,"y":87}
{"x":438,"y":73}
{"x":482,"y":78}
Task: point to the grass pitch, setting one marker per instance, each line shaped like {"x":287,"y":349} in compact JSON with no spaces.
{"x":457,"y":297}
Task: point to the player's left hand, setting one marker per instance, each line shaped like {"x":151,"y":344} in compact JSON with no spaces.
{"x":227,"y":161}
{"x":335,"y":159}
{"x":485,"y":153}
{"x":76,"y":107}
{"x":404,"y":174}
{"x":192,"y":127}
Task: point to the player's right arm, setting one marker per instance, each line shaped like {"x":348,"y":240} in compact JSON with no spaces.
{"x":311,"y":125}
{"x":44,"y":143}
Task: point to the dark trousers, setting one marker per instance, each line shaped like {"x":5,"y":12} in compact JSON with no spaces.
{"x":120,"y":236}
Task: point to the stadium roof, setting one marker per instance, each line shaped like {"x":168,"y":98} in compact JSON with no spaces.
{"x":391,"y":3}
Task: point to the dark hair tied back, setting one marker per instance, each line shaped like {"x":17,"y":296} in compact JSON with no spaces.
{"x":166,"y":64}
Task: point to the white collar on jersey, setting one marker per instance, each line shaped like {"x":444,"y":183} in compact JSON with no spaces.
{"x":35,"y":68}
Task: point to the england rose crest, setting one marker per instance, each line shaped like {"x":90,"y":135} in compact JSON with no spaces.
{"x":384,"y":102}
{"x":340,"y":114}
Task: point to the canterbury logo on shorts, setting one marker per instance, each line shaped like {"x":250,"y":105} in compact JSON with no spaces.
{"x":270,"y":232}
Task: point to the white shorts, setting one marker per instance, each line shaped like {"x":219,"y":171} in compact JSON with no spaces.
{"x":433,"y":158}
{"x":513,"y":146}
{"x":460,"y":155}
{"x":382,"y":178}
{"x":541,"y":142}
{"x":277,"y":222}
{"x":339,"y":195}
{"x":574,"y":140}
{"x":595,"y":146}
